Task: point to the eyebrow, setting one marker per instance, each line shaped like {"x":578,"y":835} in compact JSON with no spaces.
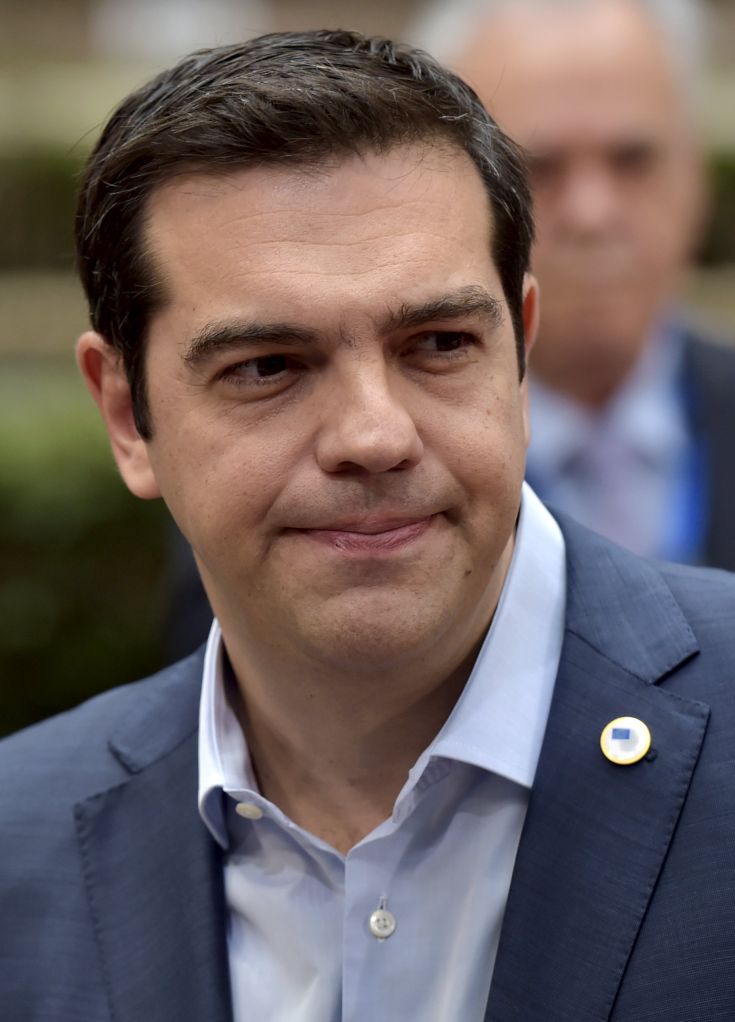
{"x":471,"y":300}
{"x":216,"y":337}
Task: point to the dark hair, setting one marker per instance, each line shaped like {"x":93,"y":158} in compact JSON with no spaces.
{"x":286,"y":97}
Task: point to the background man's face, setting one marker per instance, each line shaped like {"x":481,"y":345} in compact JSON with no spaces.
{"x":299,"y":396}
{"x":590,"y":91}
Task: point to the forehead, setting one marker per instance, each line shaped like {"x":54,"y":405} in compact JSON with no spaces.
{"x":355,"y":226}
{"x":580,"y":71}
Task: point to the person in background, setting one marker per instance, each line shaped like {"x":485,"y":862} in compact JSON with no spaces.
{"x":632,"y":409}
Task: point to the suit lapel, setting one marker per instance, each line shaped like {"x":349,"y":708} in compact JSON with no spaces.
{"x":596,"y":834}
{"x":153,"y":874}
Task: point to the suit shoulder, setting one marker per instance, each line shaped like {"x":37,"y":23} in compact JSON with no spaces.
{"x":696,"y":584}
{"x":70,"y":756}
{"x":711,"y":364}
{"x":707,"y":599}
{"x":718,"y":350}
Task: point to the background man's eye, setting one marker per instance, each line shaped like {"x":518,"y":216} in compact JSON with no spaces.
{"x":635,"y":158}
{"x":544,"y":168}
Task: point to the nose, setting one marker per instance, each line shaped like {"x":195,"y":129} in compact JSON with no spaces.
{"x":589,"y":201}
{"x":366,"y":426}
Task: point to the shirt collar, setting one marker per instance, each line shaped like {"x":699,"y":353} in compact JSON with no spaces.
{"x":224,"y":760}
{"x":499,"y":721}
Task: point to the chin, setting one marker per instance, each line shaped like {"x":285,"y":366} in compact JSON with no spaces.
{"x":598,"y":332}
{"x":371,"y":631}
{"x":612,"y":316}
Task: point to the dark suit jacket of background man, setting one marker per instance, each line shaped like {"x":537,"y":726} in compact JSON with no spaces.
{"x":621,"y":905}
{"x":709,"y":371}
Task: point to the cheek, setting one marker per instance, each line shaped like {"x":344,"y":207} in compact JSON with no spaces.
{"x":665,"y":239}
{"x":217,"y":492}
{"x":486,"y":447}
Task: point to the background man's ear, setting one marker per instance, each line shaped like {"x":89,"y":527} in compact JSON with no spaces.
{"x":103,"y":372}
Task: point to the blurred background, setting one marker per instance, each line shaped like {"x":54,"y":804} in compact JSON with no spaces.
{"x":85,"y":581}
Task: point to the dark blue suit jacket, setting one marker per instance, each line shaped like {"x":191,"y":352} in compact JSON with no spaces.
{"x":622,"y":905}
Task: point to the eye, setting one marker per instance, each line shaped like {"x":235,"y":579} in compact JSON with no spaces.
{"x":634,"y":158}
{"x":263,"y":370}
{"x":442,"y":342}
{"x":544,"y":168}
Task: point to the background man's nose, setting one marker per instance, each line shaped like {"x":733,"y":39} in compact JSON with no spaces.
{"x":590,"y":199}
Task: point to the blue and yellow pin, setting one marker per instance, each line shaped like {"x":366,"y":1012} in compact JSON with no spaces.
{"x":625,"y":740}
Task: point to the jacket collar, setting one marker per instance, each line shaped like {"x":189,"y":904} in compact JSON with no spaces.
{"x":152,"y":872}
{"x":621,"y":606}
{"x":596,"y":834}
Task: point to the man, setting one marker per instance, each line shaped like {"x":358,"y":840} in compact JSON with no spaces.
{"x":440,"y":760}
{"x":632,"y":410}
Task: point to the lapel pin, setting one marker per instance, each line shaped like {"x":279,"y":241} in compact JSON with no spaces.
{"x":625,"y":740}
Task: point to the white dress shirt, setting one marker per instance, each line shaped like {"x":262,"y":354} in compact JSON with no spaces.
{"x":626,"y":470}
{"x":300,"y":943}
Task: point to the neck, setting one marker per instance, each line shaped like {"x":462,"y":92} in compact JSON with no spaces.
{"x":332,"y":737}
{"x":333,"y":749}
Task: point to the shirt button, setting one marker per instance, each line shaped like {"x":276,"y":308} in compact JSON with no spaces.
{"x":248,"y":810}
{"x":382,"y":923}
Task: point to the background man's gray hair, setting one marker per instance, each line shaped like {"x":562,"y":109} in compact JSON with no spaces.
{"x":444,"y":29}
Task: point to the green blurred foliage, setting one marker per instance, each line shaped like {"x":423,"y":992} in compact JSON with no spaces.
{"x":81,"y":592}
{"x":719,"y":246}
{"x":37,"y":199}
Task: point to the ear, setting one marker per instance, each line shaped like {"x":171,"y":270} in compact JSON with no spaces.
{"x":531,"y":311}
{"x":103,"y":372}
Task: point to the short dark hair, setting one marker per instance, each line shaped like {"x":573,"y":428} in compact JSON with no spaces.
{"x":287,"y":97}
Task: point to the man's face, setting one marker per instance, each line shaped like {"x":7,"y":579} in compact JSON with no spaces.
{"x":338,"y":424}
{"x":590,"y":91}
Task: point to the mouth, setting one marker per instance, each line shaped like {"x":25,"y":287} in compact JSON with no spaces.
{"x":372,"y":536}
